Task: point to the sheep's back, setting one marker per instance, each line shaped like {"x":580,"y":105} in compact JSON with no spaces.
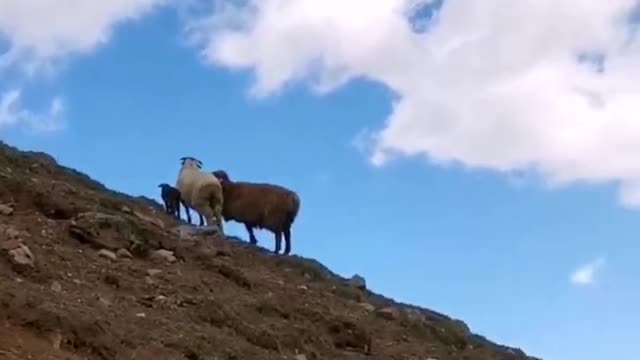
{"x":260,"y":204}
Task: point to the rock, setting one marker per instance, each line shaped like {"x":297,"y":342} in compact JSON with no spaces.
{"x":303,"y":287}
{"x":124,"y":253}
{"x":153,"y":272}
{"x":191,"y":231}
{"x":367,"y":306}
{"x":160,"y":298}
{"x":141,"y":315}
{"x":163,"y":254}
{"x":358,"y":281}
{"x":108,"y":254}
{"x":6,"y":210}
{"x":155,"y":221}
{"x":56,"y":287}
{"x":101,"y":230}
{"x":388,"y":313}
{"x":10,"y":244}
{"x":461,"y":327}
{"x":300,"y":357}
{"x":22,"y":256}
{"x":12,"y":233}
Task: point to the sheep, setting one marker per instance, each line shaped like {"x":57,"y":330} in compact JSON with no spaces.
{"x":262,"y":206}
{"x":201,"y":191}
{"x":172,"y":199}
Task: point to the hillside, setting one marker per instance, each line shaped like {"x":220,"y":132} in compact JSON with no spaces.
{"x":82,"y":278}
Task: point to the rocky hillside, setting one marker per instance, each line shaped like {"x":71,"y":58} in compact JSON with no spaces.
{"x":90,"y":273}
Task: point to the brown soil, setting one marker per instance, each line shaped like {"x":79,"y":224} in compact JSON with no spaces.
{"x":217,"y":299}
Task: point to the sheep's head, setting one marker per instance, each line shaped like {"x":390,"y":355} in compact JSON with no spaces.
{"x":190,"y":162}
{"x":221,"y":175}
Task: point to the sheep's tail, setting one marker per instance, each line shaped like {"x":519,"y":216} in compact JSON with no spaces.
{"x":294,"y":208}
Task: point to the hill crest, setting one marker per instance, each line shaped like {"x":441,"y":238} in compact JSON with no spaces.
{"x":89,"y":272}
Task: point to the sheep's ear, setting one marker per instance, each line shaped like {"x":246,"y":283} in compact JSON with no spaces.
{"x":199,"y":163}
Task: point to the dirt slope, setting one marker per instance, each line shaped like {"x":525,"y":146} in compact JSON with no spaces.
{"x":81,"y":278}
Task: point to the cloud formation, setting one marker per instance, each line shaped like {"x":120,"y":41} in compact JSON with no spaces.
{"x":490,"y":84}
{"x":13,"y":114}
{"x":585,"y":275}
{"x":38,"y":33}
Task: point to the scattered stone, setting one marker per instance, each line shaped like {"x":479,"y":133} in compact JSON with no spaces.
{"x":161,"y":298}
{"x":22,"y":256}
{"x":108,"y":254}
{"x":358,"y":282}
{"x":104,"y":301}
{"x":56,"y":287}
{"x":388,"y":313}
{"x":300,"y":357}
{"x":141,"y":315}
{"x":367,"y":306}
{"x":303,"y":287}
{"x":124,"y":253}
{"x":56,"y":339}
{"x":153,"y":272}
{"x":166,"y":255}
{"x":6,"y":210}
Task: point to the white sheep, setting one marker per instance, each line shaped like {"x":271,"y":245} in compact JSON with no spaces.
{"x":201,"y":191}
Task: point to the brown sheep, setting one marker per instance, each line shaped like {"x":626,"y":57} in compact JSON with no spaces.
{"x":260,"y":205}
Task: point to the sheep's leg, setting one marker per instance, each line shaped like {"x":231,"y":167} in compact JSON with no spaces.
{"x":252,"y":237}
{"x":218,"y":212}
{"x":278,"y":239}
{"x":287,"y":240}
{"x":208,"y":215}
{"x":186,"y":210}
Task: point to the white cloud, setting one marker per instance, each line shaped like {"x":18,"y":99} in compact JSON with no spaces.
{"x":41,"y":32}
{"x":585,"y":275}
{"x":13,"y":114}
{"x":493,"y":84}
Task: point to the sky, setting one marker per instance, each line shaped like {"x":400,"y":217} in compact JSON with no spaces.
{"x":479,"y":158}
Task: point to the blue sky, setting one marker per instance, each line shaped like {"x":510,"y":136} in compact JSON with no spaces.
{"x":486,"y":224}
